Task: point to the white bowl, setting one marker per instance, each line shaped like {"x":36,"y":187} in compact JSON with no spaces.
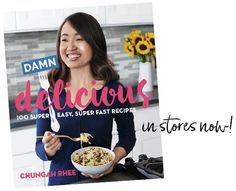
{"x":92,"y":169}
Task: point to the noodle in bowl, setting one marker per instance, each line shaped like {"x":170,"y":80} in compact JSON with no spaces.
{"x":92,"y":160}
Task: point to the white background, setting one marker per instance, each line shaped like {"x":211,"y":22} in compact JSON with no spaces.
{"x":196,"y":47}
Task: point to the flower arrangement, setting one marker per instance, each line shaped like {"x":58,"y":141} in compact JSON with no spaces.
{"x":141,"y":45}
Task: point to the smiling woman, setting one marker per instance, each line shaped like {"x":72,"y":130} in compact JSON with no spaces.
{"x":84,"y":81}
{"x":80,"y":37}
{"x":74,"y":50}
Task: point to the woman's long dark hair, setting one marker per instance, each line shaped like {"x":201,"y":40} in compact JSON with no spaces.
{"x":89,"y":28}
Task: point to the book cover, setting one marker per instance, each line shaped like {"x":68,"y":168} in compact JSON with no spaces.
{"x":83,"y":95}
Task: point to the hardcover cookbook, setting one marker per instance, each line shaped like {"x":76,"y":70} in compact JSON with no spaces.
{"x":83,"y":95}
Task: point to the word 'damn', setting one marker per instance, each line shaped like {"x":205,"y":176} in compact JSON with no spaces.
{"x":38,"y":65}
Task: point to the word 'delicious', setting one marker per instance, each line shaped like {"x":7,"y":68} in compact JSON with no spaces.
{"x":38,"y":65}
{"x":23,"y":99}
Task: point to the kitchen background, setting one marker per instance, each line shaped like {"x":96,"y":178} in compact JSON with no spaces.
{"x":25,"y":46}
{"x":32,"y":34}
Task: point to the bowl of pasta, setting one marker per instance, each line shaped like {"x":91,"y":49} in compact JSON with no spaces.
{"x":92,"y":160}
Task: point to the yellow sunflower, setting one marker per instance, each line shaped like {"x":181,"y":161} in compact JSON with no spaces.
{"x":143,"y":47}
{"x":149,"y":36}
{"x":135,"y":36}
{"x":128,"y":48}
{"x":135,"y":33}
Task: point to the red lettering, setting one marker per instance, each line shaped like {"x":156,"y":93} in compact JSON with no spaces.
{"x":22,"y":175}
{"x":129,"y":94}
{"x":42,"y":97}
{"x":79,"y":95}
{"x":66,"y":173}
{"x":140,"y":92}
{"x":59,"y":87}
{"x":24,"y":97}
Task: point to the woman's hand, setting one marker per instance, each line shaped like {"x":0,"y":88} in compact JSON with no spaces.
{"x":96,"y":176}
{"x":51,"y":143}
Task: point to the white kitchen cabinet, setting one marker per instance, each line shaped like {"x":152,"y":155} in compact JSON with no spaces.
{"x":23,"y":140}
{"x":27,"y":163}
{"x":97,"y":12}
{"x":129,"y":14}
{"x":51,"y":19}
{"x":148,"y":143}
{"x":38,"y":20}
{"x":145,"y":115}
{"x":9,"y":21}
{"x":25,"y":159}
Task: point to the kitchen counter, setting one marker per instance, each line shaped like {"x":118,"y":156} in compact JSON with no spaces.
{"x":115,"y":176}
{"x":145,"y":168}
{"x":120,"y":173}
